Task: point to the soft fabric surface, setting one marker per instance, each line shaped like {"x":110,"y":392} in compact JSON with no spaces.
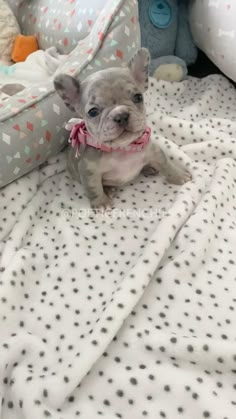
{"x":213,"y":28}
{"x":129,"y":315}
{"x":37,"y":68}
{"x":62,"y":24}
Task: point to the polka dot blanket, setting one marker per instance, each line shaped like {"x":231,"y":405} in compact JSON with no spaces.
{"x":127,"y":315}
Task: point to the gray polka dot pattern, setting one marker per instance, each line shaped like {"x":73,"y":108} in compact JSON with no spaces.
{"x":129,"y":315}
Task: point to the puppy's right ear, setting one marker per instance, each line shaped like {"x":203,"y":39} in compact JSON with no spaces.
{"x":139,"y":67}
{"x":69,"y":89}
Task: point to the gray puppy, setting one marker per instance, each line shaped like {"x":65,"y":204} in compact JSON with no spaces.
{"x":110,"y":102}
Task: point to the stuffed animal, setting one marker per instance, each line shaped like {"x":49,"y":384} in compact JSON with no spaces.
{"x":23,"y":47}
{"x":166,"y":33}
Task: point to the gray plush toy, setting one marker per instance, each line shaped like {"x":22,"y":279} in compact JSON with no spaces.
{"x":166,"y":33}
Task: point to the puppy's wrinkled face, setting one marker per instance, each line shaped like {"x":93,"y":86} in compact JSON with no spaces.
{"x":110,"y":101}
{"x":112,"y":104}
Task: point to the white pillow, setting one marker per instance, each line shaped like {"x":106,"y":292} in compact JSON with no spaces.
{"x":9,"y":29}
{"x":213,"y":25}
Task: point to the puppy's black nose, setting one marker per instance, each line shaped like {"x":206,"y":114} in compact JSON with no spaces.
{"x":122,"y":118}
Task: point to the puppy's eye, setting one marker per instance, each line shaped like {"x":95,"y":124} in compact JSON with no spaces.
{"x":93,"y":112}
{"x":138,"y":98}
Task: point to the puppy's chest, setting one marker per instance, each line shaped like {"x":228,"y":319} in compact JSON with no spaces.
{"x":120,"y":168}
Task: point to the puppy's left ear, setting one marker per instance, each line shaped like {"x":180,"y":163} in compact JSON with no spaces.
{"x":69,"y":89}
{"x":139,"y":67}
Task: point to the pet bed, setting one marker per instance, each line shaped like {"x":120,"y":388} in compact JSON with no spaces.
{"x":130,"y":315}
{"x":95,"y":34}
{"x":213,"y":28}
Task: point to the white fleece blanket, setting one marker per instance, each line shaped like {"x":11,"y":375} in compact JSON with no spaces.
{"x":37,"y":68}
{"x":132,"y":315}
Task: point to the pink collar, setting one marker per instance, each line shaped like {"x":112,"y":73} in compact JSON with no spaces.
{"x":79,"y":135}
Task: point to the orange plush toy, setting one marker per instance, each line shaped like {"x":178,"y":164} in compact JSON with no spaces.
{"x":23,"y":46}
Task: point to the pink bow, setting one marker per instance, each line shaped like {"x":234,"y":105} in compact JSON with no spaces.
{"x":78,"y":136}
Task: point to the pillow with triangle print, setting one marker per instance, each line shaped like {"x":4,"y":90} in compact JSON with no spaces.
{"x":60,"y":24}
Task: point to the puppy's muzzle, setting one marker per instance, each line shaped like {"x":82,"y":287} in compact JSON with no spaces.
{"x":122,"y":119}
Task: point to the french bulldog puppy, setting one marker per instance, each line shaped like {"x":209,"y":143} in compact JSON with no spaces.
{"x":114,"y":140}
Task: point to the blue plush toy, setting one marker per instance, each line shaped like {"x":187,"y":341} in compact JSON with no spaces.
{"x":166,"y":33}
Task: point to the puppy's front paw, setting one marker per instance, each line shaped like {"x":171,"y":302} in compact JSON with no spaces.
{"x":179,"y":177}
{"x":110,"y":191}
{"x":149,"y":171}
{"x":102,"y":204}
